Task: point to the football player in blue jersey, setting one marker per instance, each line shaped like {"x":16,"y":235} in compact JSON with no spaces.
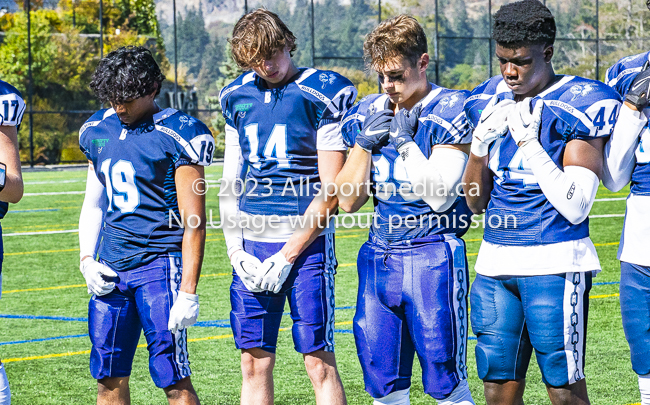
{"x":410,"y":145}
{"x":283,"y":144}
{"x":141,"y":228}
{"x":12,"y":108}
{"x":627,"y":159}
{"x":536,"y":174}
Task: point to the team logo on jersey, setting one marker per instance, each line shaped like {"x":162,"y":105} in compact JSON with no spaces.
{"x":449,"y":101}
{"x":581,"y":90}
{"x":189,"y":121}
{"x":325,"y":78}
{"x":243,"y":107}
{"x":99,"y":143}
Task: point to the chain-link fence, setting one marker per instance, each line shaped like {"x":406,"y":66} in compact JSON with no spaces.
{"x":51,"y":52}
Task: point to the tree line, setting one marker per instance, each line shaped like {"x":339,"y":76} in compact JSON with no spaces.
{"x":66,"y":49}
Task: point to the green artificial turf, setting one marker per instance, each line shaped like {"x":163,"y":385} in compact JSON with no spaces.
{"x":45,"y":262}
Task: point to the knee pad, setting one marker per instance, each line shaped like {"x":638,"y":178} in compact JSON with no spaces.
{"x":169,"y":360}
{"x":554,"y":369}
{"x":395,"y":398}
{"x":459,"y":396}
{"x":482,"y":362}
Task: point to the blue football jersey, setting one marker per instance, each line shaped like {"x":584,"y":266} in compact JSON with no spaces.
{"x":620,"y":77}
{"x":279,"y":133}
{"x":12,"y":108}
{"x":442,"y":121}
{"x":518,"y":212}
{"x":136,"y":165}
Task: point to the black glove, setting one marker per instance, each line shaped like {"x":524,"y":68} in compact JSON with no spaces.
{"x":638,"y":92}
{"x":404,"y":126}
{"x":375,"y":129}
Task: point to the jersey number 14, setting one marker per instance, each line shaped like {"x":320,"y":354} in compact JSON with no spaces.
{"x":275,"y":148}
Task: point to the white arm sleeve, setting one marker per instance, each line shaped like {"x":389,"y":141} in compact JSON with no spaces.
{"x":328,"y":137}
{"x":619,"y":150}
{"x":231,"y":191}
{"x":434,"y":179}
{"x":90,"y":219}
{"x":571,"y":192}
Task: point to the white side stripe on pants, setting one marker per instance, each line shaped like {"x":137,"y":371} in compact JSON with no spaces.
{"x":180,"y":337}
{"x":461,"y":287}
{"x":574,"y":325}
{"x":330,"y":268}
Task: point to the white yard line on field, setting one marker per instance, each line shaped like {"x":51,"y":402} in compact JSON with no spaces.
{"x":54,"y":193}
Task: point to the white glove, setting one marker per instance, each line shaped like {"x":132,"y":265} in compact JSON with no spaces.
{"x":524,"y":125}
{"x":276,"y":269}
{"x":491,"y":126}
{"x":248,"y":268}
{"x":94,"y":273}
{"x":184,"y":311}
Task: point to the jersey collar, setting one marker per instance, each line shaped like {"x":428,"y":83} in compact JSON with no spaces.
{"x":164,"y":114}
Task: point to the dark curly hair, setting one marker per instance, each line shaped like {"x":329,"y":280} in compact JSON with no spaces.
{"x":524,"y":23}
{"x":125,"y":74}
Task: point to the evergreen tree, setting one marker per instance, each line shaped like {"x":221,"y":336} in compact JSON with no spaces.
{"x":192,"y":40}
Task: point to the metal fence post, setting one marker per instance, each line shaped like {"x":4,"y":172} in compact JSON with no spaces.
{"x":313,"y":39}
{"x":378,"y":22}
{"x":175,"y":51}
{"x":597,"y":40}
{"x":101,"y":29}
{"x":436,"y":45}
{"x":30,"y":86}
{"x":490,"y":38}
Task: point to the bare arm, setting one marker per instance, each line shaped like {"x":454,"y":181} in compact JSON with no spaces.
{"x":587,"y":154}
{"x":477,"y":183}
{"x":320,"y":209}
{"x":192,"y":209}
{"x":13,"y":190}
{"x":353,"y":180}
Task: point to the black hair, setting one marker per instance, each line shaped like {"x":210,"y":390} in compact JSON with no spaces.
{"x":125,"y":74}
{"x":524,"y":23}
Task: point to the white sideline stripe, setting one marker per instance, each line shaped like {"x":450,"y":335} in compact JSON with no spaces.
{"x":341,"y":216}
{"x":40,"y":233}
{"x":54,"y":193}
{"x":611,"y":199}
{"x":55,"y":181}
